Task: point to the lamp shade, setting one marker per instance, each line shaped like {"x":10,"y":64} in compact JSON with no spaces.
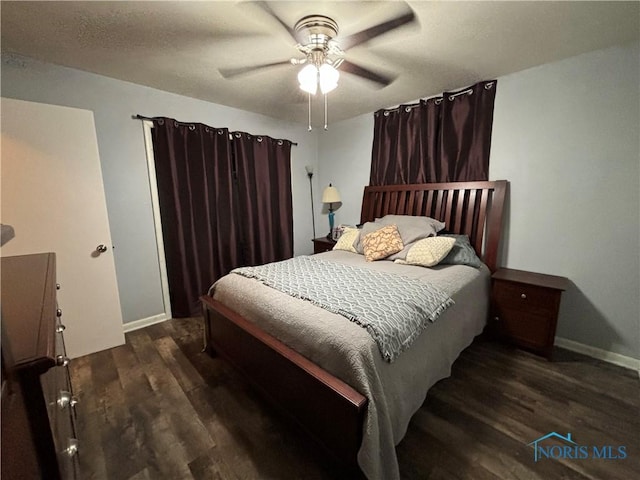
{"x":330,"y":195}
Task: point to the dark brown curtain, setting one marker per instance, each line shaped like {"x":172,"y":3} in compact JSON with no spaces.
{"x":194,"y":171}
{"x":225,"y":201}
{"x":264,"y":198}
{"x":442,"y":139}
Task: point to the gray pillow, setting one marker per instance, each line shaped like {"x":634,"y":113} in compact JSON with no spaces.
{"x":411,"y":229}
{"x":462,"y":252}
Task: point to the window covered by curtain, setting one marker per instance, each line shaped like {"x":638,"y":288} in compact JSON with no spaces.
{"x":194,"y":172}
{"x":442,"y":139}
{"x":264,"y":198}
{"x":209,"y":224}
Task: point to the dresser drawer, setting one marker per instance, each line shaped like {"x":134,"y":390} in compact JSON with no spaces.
{"x":60,"y":402}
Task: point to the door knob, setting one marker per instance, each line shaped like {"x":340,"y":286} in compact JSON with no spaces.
{"x":101,"y":248}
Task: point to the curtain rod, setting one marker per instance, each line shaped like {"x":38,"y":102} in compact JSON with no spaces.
{"x":142,"y":117}
{"x":438,"y":98}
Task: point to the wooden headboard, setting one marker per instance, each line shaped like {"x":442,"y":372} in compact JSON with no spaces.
{"x":469,"y":208}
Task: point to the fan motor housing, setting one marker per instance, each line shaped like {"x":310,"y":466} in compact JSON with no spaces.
{"x":316,"y":30}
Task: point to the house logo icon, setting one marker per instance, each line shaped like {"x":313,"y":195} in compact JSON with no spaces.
{"x":556,"y":446}
{"x":567,"y":440}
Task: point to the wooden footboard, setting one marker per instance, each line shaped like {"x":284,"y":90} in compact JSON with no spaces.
{"x":328,"y":409}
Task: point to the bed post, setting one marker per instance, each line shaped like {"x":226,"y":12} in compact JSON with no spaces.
{"x":494,"y":225}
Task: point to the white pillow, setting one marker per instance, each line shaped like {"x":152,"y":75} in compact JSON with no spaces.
{"x":428,"y":251}
{"x":349,"y":236}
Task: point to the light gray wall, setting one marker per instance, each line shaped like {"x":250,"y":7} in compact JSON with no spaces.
{"x":566,"y":136}
{"x":124,"y":167}
{"x":344,"y":159}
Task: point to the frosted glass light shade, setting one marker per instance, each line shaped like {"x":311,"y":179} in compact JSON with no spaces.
{"x":308,"y":79}
{"x":328,"y":78}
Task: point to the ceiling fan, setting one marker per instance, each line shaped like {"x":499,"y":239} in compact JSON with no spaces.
{"x":322,"y":54}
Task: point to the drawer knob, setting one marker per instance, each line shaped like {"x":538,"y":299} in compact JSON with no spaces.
{"x":60,"y":328}
{"x":66,"y":399}
{"x":62,"y":361}
{"x":57,"y":286}
{"x":523,"y":295}
{"x":58,"y":312}
{"x":72,"y":447}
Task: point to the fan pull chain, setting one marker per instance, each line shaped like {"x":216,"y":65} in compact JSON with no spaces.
{"x":309,"y":128}
{"x":325,"y":111}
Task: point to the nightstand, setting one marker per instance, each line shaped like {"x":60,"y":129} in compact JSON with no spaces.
{"x":525,"y":305}
{"x":322,"y":244}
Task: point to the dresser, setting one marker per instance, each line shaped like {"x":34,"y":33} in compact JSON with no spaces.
{"x":525,"y":306}
{"x":38,"y":406}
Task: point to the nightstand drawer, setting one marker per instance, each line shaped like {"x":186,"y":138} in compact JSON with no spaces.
{"x":526,"y":329}
{"x":525,"y":298}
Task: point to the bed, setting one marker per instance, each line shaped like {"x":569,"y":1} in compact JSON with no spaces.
{"x":353,"y":404}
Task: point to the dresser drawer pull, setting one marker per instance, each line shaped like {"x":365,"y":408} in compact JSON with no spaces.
{"x":523,"y":295}
{"x":62,"y":361}
{"x":58,"y":312}
{"x":66,"y":399}
{"x":72,"y":447}
{"x":60,"y":328}
{"x":57,"y":286}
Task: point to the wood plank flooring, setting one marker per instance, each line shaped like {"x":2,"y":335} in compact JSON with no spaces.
{"x":159,"y":408}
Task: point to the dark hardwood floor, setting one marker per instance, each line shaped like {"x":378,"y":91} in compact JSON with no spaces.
{"x":158,"y":408}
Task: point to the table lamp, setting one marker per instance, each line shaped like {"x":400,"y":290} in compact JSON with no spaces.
{"x":330,"y":196}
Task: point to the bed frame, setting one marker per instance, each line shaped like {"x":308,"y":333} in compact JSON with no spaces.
{"x":326,"y":408}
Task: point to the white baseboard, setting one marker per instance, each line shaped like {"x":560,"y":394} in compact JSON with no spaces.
{"x":144,"y":322}
{"x":604,"y":355}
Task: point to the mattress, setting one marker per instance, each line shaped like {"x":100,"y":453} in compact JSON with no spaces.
{"x":396,"y":390}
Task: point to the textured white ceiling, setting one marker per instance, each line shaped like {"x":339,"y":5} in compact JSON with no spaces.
{"x":179,"y":46}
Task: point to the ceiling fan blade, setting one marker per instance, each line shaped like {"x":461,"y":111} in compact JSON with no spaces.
{"x":235,"y":72}
{"x":267,"y":8}
{"x":350,"y":67}
{"x":372,"y":32}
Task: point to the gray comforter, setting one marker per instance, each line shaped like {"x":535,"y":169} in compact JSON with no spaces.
{"x":395,"y":390}
{"x":394,"y":309}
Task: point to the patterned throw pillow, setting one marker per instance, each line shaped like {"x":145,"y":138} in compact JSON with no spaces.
{"x":347,"y":239}
{"x":382,"y":243}
{"x":429,"y":251}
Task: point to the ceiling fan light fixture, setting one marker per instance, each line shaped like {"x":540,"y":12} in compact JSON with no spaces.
{"x":308,"y":79}
{"x":328,"y":76}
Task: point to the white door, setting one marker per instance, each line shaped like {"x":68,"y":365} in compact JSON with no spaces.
{"x":52,"y":194}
